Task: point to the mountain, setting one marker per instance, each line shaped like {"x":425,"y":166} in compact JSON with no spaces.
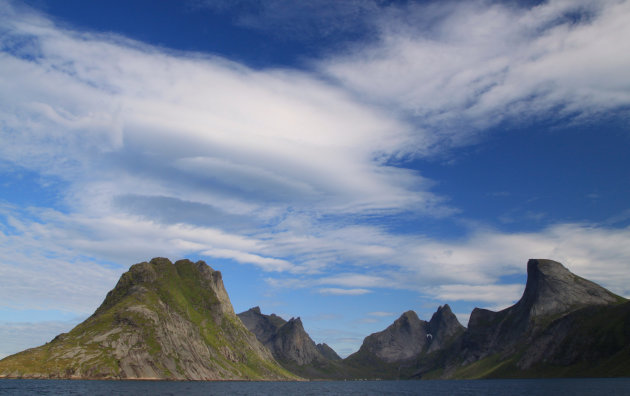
{"x":327,"y":352}
{"x":175,"y":321}
{"x":161,"y":321}
{"x":291,"y":345}
{"x":563,"y":325}
{"x":397,"y":351}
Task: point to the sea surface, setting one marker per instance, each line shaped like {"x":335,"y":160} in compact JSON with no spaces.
{"x":543,"y":387}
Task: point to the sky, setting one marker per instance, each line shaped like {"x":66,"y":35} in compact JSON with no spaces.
{"x":340,"y":161}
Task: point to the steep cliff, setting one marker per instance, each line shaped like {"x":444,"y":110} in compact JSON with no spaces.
{"x":563,"y":325}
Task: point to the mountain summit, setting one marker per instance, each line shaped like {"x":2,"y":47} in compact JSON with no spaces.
{"x":161,"y":321}
{"x":552,"y":289}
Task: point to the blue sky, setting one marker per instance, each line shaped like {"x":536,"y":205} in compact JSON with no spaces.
{"x":339,"y":161}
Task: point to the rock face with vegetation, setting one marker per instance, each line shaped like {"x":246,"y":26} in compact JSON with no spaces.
{"x":161,"y":321}
{"x":291,"y":345}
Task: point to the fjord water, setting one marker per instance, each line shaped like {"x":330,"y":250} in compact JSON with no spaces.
{"x":532,"y":387}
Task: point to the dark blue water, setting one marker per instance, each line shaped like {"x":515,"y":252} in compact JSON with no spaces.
{"x":551,"y":387}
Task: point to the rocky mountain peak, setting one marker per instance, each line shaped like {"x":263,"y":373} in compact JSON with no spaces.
{"x":327,"y":352}
{"x":442,"y":328}
{"x":287,"y":340}
{"x":552,"y":289}
{"x":402,"y":340}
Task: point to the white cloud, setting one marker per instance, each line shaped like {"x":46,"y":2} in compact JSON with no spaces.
{"x":266,"y":263}
{"x":473,"y":268}
{"x":269,"y":157}
{"x":381,"y":314}
{"x":195,"y":128}
{"x":129,"y":130}
{"x":343,"y":292}
{"x":482,"y":63}
{"x":484,"y":293}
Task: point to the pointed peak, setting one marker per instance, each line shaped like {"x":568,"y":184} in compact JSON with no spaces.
{"x":444,"y":309}
{"x":409,"y":315}
{"x":444,"y":320}
{"x":552,"y":289}
{"x":296,"y":321}
{"x":202,"y":265}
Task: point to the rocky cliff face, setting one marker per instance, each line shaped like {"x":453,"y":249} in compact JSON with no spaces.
{"x":162,"y":321}
{"x":402,"y":340}
{"x":406,"y":346}
{"x":443,"y":329}
{"x":288,"y":341}
{"x":327,"y":352}
{"x":551,"y":292}
{"x":555,"y":329}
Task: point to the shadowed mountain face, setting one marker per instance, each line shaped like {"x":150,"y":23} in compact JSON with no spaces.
{"x":396,"y":351}
{"x":402,"y":340}
{"x":551,"y":291}
{"x":443,"y":328}
{"x":162,"y":321}
{"x":563,"y":325}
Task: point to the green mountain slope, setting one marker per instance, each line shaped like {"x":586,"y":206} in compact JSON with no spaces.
{"x":162,"y":321}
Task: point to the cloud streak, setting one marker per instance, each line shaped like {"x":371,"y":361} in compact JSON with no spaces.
{"x":155,"y":152}
{"x":484,"y":63}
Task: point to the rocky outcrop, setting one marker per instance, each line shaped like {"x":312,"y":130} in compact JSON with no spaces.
{"x":406,"y":347}
{"x":402,"y":340}
{"x":292,"y":347}
{"x":265,"y":327}
{"x":287,"y":340}
{"x":443,"y":328}
{"x":327,"y":352}
{"x":161,"y":321}
{"x":292,"y":344}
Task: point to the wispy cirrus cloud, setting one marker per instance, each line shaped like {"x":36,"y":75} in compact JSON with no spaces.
{"x":343,"y":292}
{"x":458,"y":69}
{"x":156,"y":152}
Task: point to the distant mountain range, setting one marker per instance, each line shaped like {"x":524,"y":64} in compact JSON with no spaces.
{"x":175,"y":321}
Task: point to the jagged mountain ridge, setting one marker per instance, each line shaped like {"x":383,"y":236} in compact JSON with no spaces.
{"x":563,"y":325}
{"x":290,"y":344}
{"x":161,"y":321}
{"x":175,"y":321}
{"x":395,"y":351}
